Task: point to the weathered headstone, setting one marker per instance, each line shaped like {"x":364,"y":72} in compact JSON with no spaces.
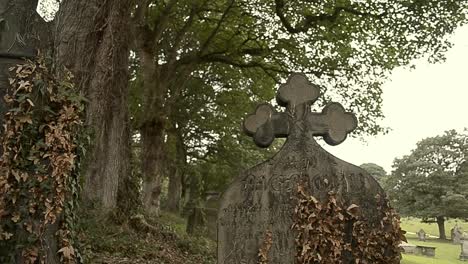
{"x":426,"y":251}
{"x":257,"y":210}
{"x":418,"y":250}
{"x":409,"y":248}
{"x":456,"y":234}
{"x":211,"y":213}
{"x":464,"y":250}
{"x":421,"y":235}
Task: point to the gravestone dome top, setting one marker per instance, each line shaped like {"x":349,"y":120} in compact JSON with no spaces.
{"x":258,"y":213}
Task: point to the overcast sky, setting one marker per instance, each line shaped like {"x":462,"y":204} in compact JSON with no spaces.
{"x":418,"y":103}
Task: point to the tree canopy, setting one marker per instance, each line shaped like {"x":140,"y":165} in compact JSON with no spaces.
{"x":430,"y":182}
{"x":240,"y":49}
{"x":375,"y":170}
{"x":347,"y":47}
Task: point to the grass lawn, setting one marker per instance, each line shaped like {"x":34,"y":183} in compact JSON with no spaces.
{"x":446,"y":252}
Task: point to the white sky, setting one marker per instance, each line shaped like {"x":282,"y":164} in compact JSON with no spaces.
{"x":418,"y":103}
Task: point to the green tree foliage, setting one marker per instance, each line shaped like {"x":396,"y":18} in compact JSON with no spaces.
{"x":348,"y":47}
{"x":375,"y":170}
{"x":431,"y":181}
{"x":241,"y":48}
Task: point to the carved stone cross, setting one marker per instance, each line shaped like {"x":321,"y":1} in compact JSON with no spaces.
{"x":298,"y":94}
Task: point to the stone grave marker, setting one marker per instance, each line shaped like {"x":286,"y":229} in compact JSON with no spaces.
{"x":464,"y":250}
{"x":211,"y":213}
{"x":409,"y":248}
{"x":421,"y":235}
{"x":457,"y":234}
{"x":426,"y":251}
{"x":258,"y":214}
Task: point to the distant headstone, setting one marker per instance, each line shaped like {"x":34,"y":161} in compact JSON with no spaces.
{"x":464,"y":236}
{"x":408,"y":248}
{"x":256,"y":211}
{"x":421,"y":235}
{"x":464,"y":250}
{"x":196,"y":220}
{"x":211,"y":213}
{"x":426,"y":251}
{"x":418,"y":250}
{"x":456,"y":234}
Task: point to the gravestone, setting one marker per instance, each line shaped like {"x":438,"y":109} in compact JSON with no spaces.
{"x":409,"y":248}
{"x":426,"y":251}
{"x":456,"y":234}
{"x":257,"y":210}
{"x":421,"y":235}
{"x":211,"y":213}
{"x":464,"y":250}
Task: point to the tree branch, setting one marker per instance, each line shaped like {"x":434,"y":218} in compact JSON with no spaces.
{"x":179,"y":37}
{"x":216,"y":29}
{"x":310,"y":20}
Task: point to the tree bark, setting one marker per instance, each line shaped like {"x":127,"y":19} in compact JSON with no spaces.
{"x":174,"y":190}
{"x":152,"y":156}
{"x":176,"y":173}
{"x":152,"y":128}
{"x":441,"y":224}
{"x":92,"y":40}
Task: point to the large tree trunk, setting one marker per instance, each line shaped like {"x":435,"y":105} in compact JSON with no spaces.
{"x":152,"y":156}
{"x":177,"y":171}
{"x":92,"y":40}
{"x":174,"y":190}
{"x":441,"y":224}
{"x":152,"y":128}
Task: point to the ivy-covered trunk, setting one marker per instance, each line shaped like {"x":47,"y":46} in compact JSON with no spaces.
{"x":441,"y":224}
{"x":17,"y":245}
{"x":93,"y":42}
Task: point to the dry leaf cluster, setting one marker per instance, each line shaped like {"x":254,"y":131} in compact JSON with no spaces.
{"x":331,"y":232}
{"x":38,"y":178}
{"x":265,"y":248}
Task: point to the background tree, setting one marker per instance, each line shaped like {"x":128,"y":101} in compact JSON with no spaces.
{"x":92,"y":40}
{"x":431,"y":182}
{"x":375,"y":170}
{"x":347,"y":47}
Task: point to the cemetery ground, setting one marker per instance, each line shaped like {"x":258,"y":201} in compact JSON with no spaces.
{"x":108,"y":242}
{"x":105,"y":241}
{"x":446,"y":252}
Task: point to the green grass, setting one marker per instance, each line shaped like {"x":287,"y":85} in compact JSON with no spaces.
{"x":446,"y":252}
{"x":411,"y":224}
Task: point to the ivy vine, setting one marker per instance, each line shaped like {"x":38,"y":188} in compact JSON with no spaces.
{"x":39,"y":180}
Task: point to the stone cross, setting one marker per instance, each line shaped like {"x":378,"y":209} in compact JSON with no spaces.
{"x":261,"y":199}
{"x":333,"y":123}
